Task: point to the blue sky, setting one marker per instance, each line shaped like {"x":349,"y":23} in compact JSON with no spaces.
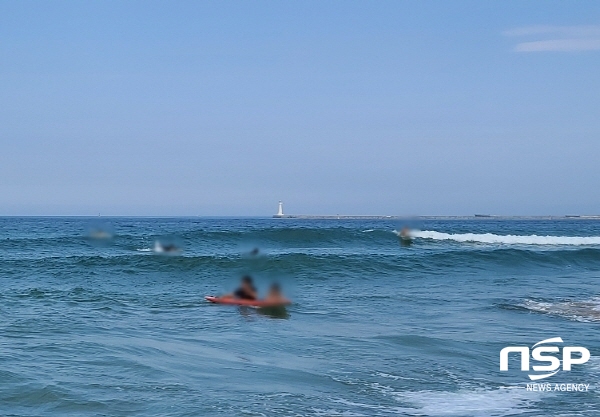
{"x":224,"y":108}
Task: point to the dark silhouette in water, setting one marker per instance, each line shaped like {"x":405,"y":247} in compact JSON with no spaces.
{"x":279,"y":312}
{"x":167,"y":248}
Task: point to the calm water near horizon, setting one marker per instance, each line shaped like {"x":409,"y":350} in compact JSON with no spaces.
{"x":95,"y":322}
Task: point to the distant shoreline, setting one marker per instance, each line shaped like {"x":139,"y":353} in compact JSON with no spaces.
{"x":473,"y":217}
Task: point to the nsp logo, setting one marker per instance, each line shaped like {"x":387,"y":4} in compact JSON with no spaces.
{"x":541,"y":352}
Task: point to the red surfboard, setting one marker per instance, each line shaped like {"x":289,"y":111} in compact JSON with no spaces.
{"x":248,"y":303}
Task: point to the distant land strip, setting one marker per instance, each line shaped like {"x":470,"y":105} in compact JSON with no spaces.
{"x":476,"y":216}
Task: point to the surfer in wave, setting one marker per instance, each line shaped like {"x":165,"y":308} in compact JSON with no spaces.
{"x":405,"y":236}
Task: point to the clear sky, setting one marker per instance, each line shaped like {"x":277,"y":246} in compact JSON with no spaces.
{"x":372,"y":107}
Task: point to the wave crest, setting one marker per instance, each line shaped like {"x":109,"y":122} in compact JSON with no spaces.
{"x":584,"y":311}
{"x":507,"y":239}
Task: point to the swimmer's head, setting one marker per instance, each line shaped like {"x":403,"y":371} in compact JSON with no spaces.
{"x":275,"y":289}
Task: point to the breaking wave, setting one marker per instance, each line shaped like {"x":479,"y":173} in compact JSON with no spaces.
{"x":507,"y":239}
{"x":584,"y":311}
{"x":508,"y":401}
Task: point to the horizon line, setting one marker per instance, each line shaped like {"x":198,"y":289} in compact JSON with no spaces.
{"x":316,"y":217}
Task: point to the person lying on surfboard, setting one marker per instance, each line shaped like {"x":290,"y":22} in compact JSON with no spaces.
{"x":274,"y":297}
{"x":246,"y":291}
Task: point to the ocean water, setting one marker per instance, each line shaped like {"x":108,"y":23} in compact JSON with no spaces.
{"x":95,"y":322}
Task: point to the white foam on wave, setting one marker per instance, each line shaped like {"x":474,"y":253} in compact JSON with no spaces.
{"x":464,"y":402}
{"x":584,"y":311}
{"x":335,"y":413}
{"x":473,"y":403}
{"x":506,"y":239}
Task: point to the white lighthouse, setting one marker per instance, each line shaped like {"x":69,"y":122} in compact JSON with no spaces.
{"x":280,"y":211}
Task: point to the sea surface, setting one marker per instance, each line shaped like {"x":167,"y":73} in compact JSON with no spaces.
{"x":96,"y":321}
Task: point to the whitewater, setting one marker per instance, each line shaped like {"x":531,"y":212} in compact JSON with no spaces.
{"x":507,"y":239}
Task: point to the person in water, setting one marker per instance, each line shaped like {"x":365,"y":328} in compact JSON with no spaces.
{"x":246,"y":291}
{"x":275,"y":296}
{"x":168,"y":248}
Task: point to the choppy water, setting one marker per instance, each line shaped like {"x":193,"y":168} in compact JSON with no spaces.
{"x":96,"y":324}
